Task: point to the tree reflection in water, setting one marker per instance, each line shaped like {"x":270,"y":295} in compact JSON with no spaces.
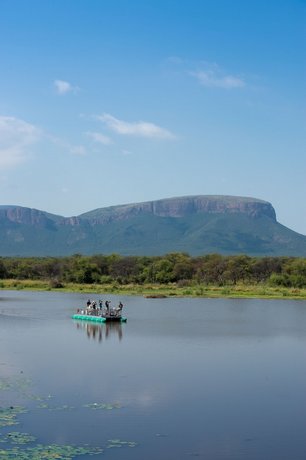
{"x":100,"y":331}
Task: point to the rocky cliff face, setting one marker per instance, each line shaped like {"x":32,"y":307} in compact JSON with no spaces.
{"x":184,"y":206}
{"x":27,"y":216}
{"x":35,"y":217}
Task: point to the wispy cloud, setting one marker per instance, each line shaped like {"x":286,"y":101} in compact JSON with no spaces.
{"x":208,"y":74}
{"x":99,"y":138}
{"x":63,"y":87}
{"x":140,"y":128}
{"x":215,"y":79}
{"x":16,"y":138}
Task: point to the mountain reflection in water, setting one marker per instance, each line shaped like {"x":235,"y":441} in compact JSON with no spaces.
{"x":100,"y":332}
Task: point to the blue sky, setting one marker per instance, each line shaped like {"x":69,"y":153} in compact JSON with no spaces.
{"x":118,"y":101}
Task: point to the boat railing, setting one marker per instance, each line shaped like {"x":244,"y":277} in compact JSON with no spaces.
{"x":106,"y":313}
{"x":93,"y":309}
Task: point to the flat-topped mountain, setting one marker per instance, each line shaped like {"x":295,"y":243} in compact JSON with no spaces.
{"x":184,"y":206}
{"x":198,"y":225}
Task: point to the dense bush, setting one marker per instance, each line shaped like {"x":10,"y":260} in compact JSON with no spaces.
{"x":171,"y":268}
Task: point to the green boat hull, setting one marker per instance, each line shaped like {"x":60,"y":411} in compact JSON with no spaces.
{"x":100,"y":319}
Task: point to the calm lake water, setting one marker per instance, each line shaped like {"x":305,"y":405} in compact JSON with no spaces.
{"x":183,"y":378}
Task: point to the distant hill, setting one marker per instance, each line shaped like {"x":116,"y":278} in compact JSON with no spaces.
{"x":194,"y":224}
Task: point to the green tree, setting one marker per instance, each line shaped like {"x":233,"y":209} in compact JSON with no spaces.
{"x":3,"y":270}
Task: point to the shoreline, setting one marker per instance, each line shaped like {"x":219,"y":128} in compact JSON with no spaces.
{"x":247,"y":291}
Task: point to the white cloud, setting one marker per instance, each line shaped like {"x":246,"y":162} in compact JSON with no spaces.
{"x":140,"y":128}
{"x":16,"y":138}
{"x":99,"y":138}
{"x":213,"y":79}
{"x":64,"y":87}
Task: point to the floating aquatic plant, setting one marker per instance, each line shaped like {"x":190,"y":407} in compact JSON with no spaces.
{"x":54,"y":451}
{"x":21,"y":385}
{"x":104,"y":406}
{"x":37,"y":397}
{"x":118,"y":443}
{"x":43,"y":406}
{"x":14,"y":383}
{"x":15,"y":437}
{"x":4,"y":384}
{"x":53,"y":408}
{"x":17,"y":441}
{"x":8,"y":415}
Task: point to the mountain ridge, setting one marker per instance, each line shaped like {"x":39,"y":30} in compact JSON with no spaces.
{"x":180,"y":206}
{"x":197,"y":224}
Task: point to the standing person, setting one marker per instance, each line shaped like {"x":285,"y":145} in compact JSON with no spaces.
{"x":107,"y":306}
{"x":101,"y":304}
{"x":119,"y":308}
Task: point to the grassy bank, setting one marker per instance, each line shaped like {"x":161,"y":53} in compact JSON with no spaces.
{"x":170,"y":290}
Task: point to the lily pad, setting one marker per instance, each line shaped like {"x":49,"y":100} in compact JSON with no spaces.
{"x":53,"y":408}
{"x":103,"y":406}
{"x":53,"y":451}
{"x":36,"y":397}
{"x":22,"y":385}
{"x":8,"y":415}
{"x":15,"y":437}
{"x":14,"y":383}
{"x":119,"y":443}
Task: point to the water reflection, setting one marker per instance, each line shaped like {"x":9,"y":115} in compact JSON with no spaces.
{"x":100,"y":332}
{"x":210,"y":378}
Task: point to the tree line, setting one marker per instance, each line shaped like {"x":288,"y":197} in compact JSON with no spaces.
{"x":180,"y":268}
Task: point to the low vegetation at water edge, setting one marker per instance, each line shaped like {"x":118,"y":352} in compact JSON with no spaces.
{"x":175,"y":274}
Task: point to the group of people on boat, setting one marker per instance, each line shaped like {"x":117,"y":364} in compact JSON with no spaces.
{"x":96,"y":308}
